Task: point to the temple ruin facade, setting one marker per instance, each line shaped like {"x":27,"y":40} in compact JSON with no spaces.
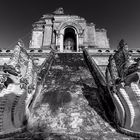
{"x":66,"y":34}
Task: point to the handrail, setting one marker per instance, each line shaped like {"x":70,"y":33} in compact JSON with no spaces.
{"x":43,"y":72}
{"x":4,"y":134}
{"x":94,"y":69}
{"x":44,"y":69}
{"x":100,"y":81}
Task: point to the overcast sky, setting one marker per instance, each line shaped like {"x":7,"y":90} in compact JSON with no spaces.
{"x":121,"y":18}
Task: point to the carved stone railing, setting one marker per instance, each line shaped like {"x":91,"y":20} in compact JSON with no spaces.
{"x":119,"y":89}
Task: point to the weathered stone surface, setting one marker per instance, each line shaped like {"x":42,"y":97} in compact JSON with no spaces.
{"x":58,"y":23}
{"x":37,"y":37}
{"x":101,"y":39}
{"x":63,"y":108}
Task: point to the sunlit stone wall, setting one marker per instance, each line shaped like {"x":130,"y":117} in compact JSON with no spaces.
{"x":50,"y":29}
{"x":99,"y":55}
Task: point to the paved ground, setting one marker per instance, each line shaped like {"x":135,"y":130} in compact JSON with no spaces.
{"x":70,"y":107}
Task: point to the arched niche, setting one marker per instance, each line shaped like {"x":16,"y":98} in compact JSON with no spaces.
{"x":70,"y":40}
{"x":63,"y":25}
{"x":69,"y":34}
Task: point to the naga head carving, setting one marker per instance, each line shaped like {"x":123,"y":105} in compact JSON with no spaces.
{"x":119,"y":89}
{"x":126,"y":89}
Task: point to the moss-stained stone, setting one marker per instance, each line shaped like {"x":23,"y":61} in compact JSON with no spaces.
{"x":64,"y":109}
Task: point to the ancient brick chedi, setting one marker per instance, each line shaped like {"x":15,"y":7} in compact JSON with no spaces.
{"x":67,"y":32}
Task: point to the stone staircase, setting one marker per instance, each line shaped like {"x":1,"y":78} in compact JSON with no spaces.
{"x":66,"y":72}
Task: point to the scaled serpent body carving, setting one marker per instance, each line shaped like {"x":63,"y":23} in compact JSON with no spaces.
{"x":120,"y":89}
{"x":20,"y":84}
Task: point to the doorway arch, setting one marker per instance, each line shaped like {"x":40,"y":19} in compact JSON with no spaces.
{"x":70,"y":40}
{"x":75,"y":30}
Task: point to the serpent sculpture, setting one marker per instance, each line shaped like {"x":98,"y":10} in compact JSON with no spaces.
{"x":20,"y":84}
{"x":119,"y":89}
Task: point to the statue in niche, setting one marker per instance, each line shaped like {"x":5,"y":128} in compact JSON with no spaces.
{"x":69,"y":44}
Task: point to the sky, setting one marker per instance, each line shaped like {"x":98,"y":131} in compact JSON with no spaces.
{"x":121,"y":18}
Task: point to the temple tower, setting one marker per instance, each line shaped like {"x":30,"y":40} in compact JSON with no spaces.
{"x":68,"y":33}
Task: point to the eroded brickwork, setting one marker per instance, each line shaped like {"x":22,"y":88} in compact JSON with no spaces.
{"x":57,"y":23}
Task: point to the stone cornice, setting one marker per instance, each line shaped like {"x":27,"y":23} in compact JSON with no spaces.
{"x":95,"y":52}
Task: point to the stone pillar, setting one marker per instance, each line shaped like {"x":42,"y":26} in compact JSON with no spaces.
{"x":47,"y":33}
{"x":61,"y":42}
{"x":37,"y":37}
{"x":77,"y":42}
{"x":80,"y":40}
{"x":54,"y":38}
{"x":101,"y":38}
{"x":57,"y":36}
{"x":91,"y":35}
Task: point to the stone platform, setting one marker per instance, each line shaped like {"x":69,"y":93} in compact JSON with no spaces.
{"x":70,"y":108}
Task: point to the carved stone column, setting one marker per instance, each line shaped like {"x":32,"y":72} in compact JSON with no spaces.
{"x":37,"y":36}
{"x":47,"y":32}
{"x":61,"y":42}
{"x":57,"y":36}
{"x":54,"y":38}
{"x":80,"y":40}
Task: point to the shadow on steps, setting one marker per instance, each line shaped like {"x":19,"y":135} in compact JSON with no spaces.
{"x":98,"y":103}
{"x":56,"y":99}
